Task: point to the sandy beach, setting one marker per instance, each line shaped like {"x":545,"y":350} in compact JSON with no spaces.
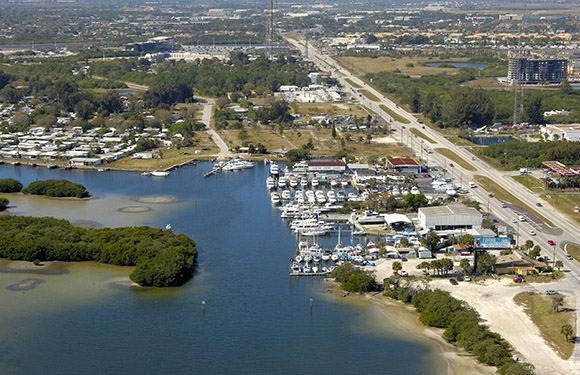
{"x":494,"y":301}
{"x":459,"y":362}
{"x":134,"y":209}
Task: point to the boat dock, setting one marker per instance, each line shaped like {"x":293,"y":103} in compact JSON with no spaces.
{"x":217,"y":168}
{"x":309,"y":273}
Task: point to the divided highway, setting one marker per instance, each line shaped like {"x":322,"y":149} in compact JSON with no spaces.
{"x":569,"y":231}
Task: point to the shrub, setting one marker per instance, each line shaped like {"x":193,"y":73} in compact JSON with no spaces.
{"x":10,"y":185}
{"x":56,"y":188}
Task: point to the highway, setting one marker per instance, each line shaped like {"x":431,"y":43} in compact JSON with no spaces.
{"x":567,"y":232}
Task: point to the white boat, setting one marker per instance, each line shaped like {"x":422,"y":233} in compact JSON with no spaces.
{"x":326,"y":257}
{"x":314,"y":269}
{"x":299,"y":196}
{"x":168,"y":226}
{"x":371,"y":218}
{"x":304,"y":182}
{"x":160,"y":173}
{"x":274,"y":169}
{"x":248,"y":164}
{"x":331,"y":195}
{"x":333,"y":183}
{"x":275,"y":198}
{"x":340,"y":196}
{"x":415,"y":190}
{"x":334,"y":257}
{"x":296,"y":267}
{"x":282,"y":181}
{"x":286,"y":194}
{"x":293,"y":182}
{"x":344,"y":183}
{"x":270,"y":182}
{"x":315,"y":182}
{"x":320,"y":197}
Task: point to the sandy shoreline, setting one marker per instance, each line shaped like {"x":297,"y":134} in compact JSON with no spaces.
{"x":459,"y":362}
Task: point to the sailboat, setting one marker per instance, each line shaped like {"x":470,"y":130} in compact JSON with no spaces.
{"x":168,"y":227}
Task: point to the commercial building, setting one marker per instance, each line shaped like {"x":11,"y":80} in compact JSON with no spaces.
{"x":528,"y":69}
{"x":326,"y":166}
{"x":450,"y":217}
{"x":569,"y":132}
{"x":403,"y":165}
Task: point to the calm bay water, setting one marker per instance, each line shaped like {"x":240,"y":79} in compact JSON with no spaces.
{"x":256,"y":319}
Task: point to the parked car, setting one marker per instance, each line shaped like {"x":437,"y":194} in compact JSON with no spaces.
{"x":519,"y":279}
{"x":569,"y":257}
{"x":503,"y":205}
{"x":453,"y":281}
{"x":539,"y":204}
{"x":459,"y":278}
{"x":403,"y":273}
{"x":532,"y":233}
{"x":451,"y":164}
{"x":514,"y":220}
{"x":395,"y":273}
{"x":550,"y":242}
{"x":551,"y":292}
{"x":403,"y":259}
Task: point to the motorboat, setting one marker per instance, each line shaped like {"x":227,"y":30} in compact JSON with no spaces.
{"x":282,"y":181}
{"x":331,"y":195}
{"x":333,"y":183}
{"x":315,"y":269}
{"x":304,"y":182}
{"x":320,"y":197}
{"x":270,"y":182}
{"x":286,"y":195}
{"x":293,"y":182}
{"x":341,"y":196}
{"x":275,"y":198}
{"x":371,"y":218}
{"x":274,"y":169}
{"x":160,"y":173}
{"x":415,"y":190}
{"x":315,"y":182}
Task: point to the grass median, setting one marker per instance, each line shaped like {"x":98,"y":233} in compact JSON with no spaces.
{"x":574,"y":251}
{"x":539,"y":308}
{"x":420,"y":134}
{"x":394,"y":115}
{"x":369,"y":95}
{"x":455,"y":158}
{"x":352,"y":83}
{"x":564,"y":203}
{"x":530,"y":182}
{"x":502,"y":194}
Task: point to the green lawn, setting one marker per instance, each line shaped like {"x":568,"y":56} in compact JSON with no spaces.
{"x":455,"y":158}
{"x":394,"y":115}
{"x":574,"y":250}
{"x":420,"y":134}
{"x":502,"y":194}
{"x":565,"y":203}
{"x":459,"y":141}
{"x":530,"y":182}
{"x":539,"y":309}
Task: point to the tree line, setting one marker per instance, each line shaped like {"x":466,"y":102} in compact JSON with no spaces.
{"x":51,"y":188}
{"x":162,"y":258}
{"x":461,"y":323}
{"x":515,"y":155}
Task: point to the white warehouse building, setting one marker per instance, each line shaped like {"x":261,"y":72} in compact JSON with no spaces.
{"x":561,"y":132}
{"x":450,"y":217}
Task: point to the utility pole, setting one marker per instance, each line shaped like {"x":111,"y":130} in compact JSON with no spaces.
{"x":270,"y":31}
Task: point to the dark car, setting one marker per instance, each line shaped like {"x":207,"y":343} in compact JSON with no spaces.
{"x":453,"y":281}
{"x":403,"y":259}
{"x":459,"y":278}
{"x":539,"y":204}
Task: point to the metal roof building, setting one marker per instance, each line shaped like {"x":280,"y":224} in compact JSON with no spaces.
{"x":450,"y":217}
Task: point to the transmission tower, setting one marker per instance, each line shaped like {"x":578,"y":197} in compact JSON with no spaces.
{"x":270,"y":31}
{"x":306,"y":46}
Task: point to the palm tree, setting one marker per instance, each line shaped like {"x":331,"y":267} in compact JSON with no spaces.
{"x":559,"y":264}
{"x":397,"y":266}
{"x":464,"y":264}
{"x":557,"y":301}
{"x":567,"y":331}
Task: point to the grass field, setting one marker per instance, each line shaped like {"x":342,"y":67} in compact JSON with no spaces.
{"x":502,"y":194}
{"x":565,"y":203}
{"x":170,"y":158}
{"x":420,"y":134}
{"x":539,"y":309}
{"x":369,"y":95}
{"x":574,"y":251}
{"x":324,"y":144}
{"x":455,"y":158}
{"x":530,"y":182}
{"x":352,"y":83}
{"x":364,"y":65}
{"x":459,"y":141}
{"x":315,"y":109}
{"x":394,"y":115}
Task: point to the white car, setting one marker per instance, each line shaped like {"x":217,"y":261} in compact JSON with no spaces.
{"x":532,"y":233}
{"x":514,"y":220}
{"x":403,"y":273}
